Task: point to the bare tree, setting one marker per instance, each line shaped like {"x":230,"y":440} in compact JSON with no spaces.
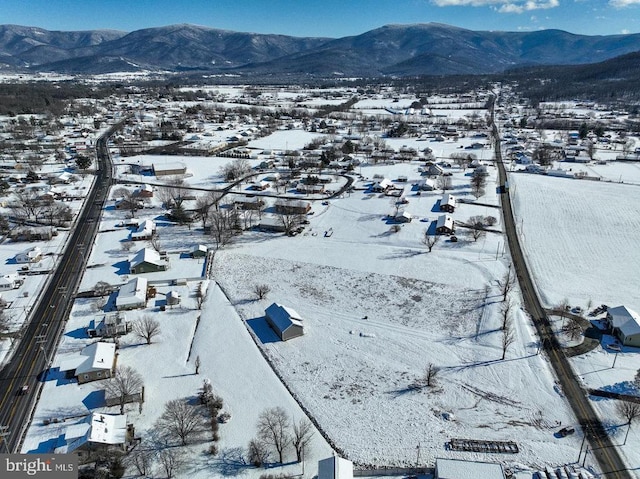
{"x":224,"y":223}
{"x":236,"y":169}
{"x":154,"y":243}
{"x":629,"y":411}
{"x":573,"y":327}
{"x":507,"y":283}
{"x":290,"y":221}
{"x":146,"y":328}
{"x":430,"y":374}
{"x":203,"y":207}
{"x":505,"y":313}
{"x":141,"y":459}
{"x":444,"y":183}
{"x":273,"y":426}
{"x":171,"y":461}
{"x":102,"y":288}
{"x":508,"y":337}
{"x":200,"y":294}
{"x":172,"y":193}
{"x":430,"y":241}
{"x":478,"y":183}
{"x":127,"y":199}
{"x":262,"y":290}
{"x":180,"y":419}
{"x":197,"y":364}
{"x":301,"y":437}
{"x":125,"y":382}
{"x":476,"y":223}
{"x":257,"y":452}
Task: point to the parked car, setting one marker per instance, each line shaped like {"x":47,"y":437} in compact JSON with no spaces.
{"x":566,"y":431}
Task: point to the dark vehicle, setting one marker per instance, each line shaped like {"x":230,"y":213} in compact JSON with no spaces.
{"x":566,"y":431}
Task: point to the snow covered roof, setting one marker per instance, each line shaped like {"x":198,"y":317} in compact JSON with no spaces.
{"x":624,"y":319}
{"x":444,"y":221}
{"x":94,"y":357}
{"x":458,"y":469}
{"x":145,"y":255}
{"x":283,"y":317}
{"x":108,"y":428}
{"x":133,"y":292}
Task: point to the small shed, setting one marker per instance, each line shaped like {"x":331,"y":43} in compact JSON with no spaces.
{"x":173,"y":298}
{"x":200,"y":251}
{"x":286,"y":322}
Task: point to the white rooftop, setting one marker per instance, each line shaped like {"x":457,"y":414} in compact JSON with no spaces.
{"x":458,"y":469}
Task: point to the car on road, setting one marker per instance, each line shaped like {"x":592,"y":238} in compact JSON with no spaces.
{"x":23,"y":390}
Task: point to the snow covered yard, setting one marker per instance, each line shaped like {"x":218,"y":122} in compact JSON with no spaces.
{"x":377,"y":309}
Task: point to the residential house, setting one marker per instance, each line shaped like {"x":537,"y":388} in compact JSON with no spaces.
{"x":96,"y":433}
{"x":431,"y":169}
{"x":286,"y":322}
{"x":30,"y":255}
{"x":445,"y":224}
{"x":111,"y":325}
{"x":249,"y":203}
{"x":145,"y":231}
{"x":448,"y":203}
{"x":403,"y":217}
{"x":144,"y":191}
{"x":96,"y":361}
{"x":10,"y":281}
{"x":132,"y":295}
{"x":625,"y":324}
{"x":460,"y":469}
{"x":147,"y":260}
{"x":271,"y":223}
{"x":310,"y":189}
{"x":292,"y":207}
{"x":382,"y":185}
{"x":426,"y":184}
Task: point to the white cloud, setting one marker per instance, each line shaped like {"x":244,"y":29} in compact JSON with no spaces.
{"x":508,"y":6}
{"x":623,"y":3}
{"x":625,"y":31}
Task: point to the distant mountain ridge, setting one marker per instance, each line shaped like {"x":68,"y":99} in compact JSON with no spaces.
{"x":391,"y":50}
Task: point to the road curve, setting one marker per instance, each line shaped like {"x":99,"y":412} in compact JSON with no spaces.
{"x":600,"y":444}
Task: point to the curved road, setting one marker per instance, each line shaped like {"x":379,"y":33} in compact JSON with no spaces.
{"x":600,"y":445}
{"x":39,"y":337}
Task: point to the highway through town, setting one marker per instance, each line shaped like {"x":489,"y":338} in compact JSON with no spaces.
{"x":33,"y":352}
{"x":599,"y":442}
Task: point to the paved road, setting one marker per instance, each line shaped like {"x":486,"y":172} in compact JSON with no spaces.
{"x":40,"y":335}
{"x":600,"y":444}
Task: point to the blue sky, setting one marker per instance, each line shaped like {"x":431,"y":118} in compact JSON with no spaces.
{"x":327,"y":18}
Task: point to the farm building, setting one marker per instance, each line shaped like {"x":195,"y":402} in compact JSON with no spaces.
{"x":147,"y":260}
{"x":625,"y":324}
{"x":31,"y":255}
{"x":335,"y":468}
{"x":168,"y":169}
{"x":96,"y":361}
{"x":459,"y":469}
{"x":285,"y":321}
{"x":448,"y":203}
{"x":132,"y":295}
{"x":445,"y":224}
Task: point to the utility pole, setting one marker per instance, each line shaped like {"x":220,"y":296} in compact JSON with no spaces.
{"x":4,"y":433}
{"x":418,"y":455}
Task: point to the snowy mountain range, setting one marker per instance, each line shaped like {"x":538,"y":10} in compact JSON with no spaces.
{"x":392,"y":50}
